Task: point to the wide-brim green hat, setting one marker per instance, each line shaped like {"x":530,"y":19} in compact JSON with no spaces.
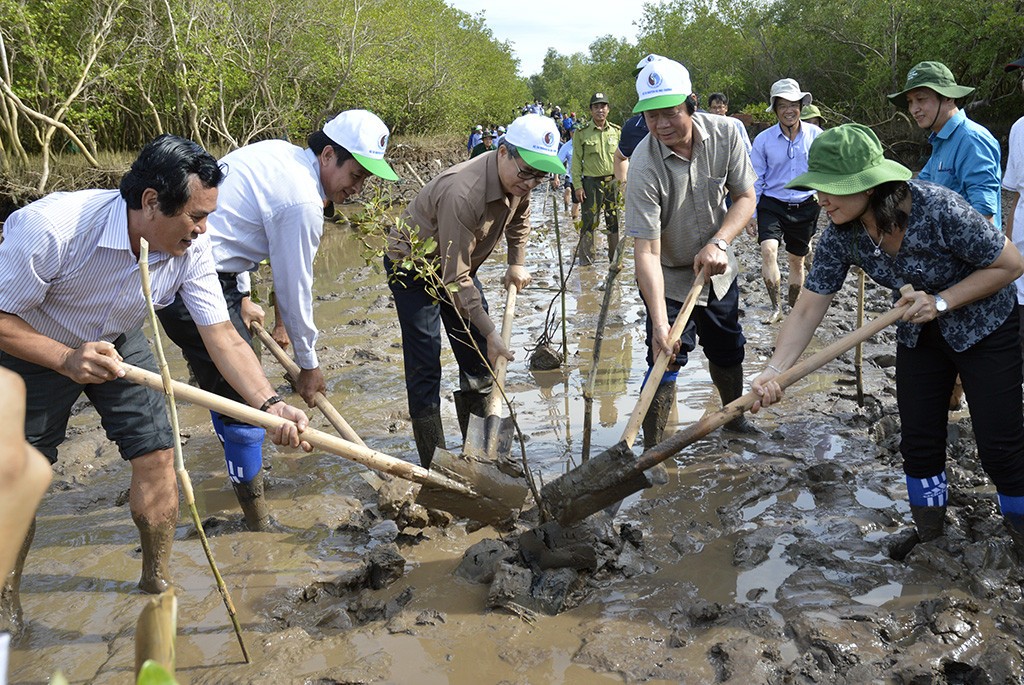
{"x":934,"y":75}
{"x":845,"y":160}
{"x":811,"y":111}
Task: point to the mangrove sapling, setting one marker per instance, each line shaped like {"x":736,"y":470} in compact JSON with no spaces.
{"x":179,"y":459}
{"x":543,"y":356}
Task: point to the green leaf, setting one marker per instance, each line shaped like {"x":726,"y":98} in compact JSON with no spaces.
{"x":58,"y":679}
{"x":152,"y":673}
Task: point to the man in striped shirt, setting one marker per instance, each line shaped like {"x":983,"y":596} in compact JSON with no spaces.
{"x":72,"y":309}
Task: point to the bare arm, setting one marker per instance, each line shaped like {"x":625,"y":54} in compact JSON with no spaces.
{"x":621,"y":165}
{"x":91,"y":362}
{"x":1014,"y":199}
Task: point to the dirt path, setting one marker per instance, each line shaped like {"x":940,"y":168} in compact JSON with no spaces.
{"x":762,"y":560}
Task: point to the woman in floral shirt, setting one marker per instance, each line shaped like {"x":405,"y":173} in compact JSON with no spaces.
{"x":961,"y":319}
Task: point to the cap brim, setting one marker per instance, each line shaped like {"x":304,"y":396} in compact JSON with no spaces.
{"x":900,"y":99}
{"x":850,"y":184}
{"x":542,"y":162}
{"x":659,"y":102}
{"x":1019,"y":64}
{"x":377,"y":167}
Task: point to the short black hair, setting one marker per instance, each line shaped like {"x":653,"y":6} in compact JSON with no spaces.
{"x":718,"y":97}
{"x":318,"y":140}
{"x":166,"y":164}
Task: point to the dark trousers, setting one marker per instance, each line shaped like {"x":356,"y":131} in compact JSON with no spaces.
{"x":991,"y":374}
{"x":420,"y":317}
{"x":600,"y":192}
{"x":717,"y":326}
{"x":792,"y":224}
{"x":180,"y":328}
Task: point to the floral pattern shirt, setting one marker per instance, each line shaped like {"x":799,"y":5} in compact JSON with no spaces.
{"x":945,"y":241}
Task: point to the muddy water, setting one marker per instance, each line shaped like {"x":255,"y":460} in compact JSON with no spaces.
{"x":730,"y":568}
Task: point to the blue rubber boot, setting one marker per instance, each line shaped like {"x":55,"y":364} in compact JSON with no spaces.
{"x":243,"y":452}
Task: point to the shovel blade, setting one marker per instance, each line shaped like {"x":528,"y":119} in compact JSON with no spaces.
{"x":600,"y":482}
{"x":497,"y":496}
{"x":489,"y":438}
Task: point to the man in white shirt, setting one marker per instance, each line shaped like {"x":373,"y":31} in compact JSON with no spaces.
{"x":1013,"y":181}
{"x":72,"y":308}
{"x":271,"y":206}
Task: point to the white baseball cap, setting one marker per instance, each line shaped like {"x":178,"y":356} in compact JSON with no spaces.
{"x":536,"y":139}
{"x":788,"y":89}
{"x":364,"y":135}
{"x":662,"y":83}
{"x":645,"y":61}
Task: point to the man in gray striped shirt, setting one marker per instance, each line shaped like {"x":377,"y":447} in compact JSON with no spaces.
{"x":679,"y":176}
{"x":72,"y":308}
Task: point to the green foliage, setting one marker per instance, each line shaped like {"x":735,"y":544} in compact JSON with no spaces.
{"x":153,"y":673}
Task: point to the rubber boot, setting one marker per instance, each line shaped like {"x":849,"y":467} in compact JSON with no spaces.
{"x":585,"y":254}
{"x":1015,"y":527}
{"x":12,"y":619}
{"x":656,"y":417}
{"x":254,"y":504}
{"x":613,"y":242}
{"x":429,"y":435}
{"x":773,"y":295}
{"x":929,"y":521}
{"x":156,"y":542}
{"x":794,"y":293}
{"x":467,"y":403}
{"x":729,"y":381}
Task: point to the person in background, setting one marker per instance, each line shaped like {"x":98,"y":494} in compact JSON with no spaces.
{"x":962,"y":319}
{"x":634,"y":129}
{"x":270,"y":208}
{"x":779,"y":155}
{"x":1013,"y":181}
{"x":592,"y":172}
{"x":72,"y":310}
{"x":466,"y":210}
{"x":718,"y":103}
{"x":812,"y":115}
{"x":678,"y":179}
{"x":565,"y":157}
{"x":486,"y":144}
{"x":475,"y":136}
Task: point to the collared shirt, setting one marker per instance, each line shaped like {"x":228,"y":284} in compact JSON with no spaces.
{"x":475,"y":139}
{"x":778,"y":160}
{"x":481,"y":148}
{"x":67,"y":268}
{"x":944,"y":243}
{"x":593,"y":151}
{"x":465,"y":209}
{"x":271,"y":206}
{"x":565,"y":156}
{"x":965,"y":158}
{"x":1013,"y":180}
{"x":682,"y":201}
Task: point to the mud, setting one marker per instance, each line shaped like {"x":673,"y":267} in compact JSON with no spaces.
{"x":764,"y":559}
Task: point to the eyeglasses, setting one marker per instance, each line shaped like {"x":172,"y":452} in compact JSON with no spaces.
{"x":787,"y":105}
{"x":529,"y":174}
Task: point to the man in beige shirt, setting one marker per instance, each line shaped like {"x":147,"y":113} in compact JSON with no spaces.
{"x":466,"y":210}
{"x":679,"y":176}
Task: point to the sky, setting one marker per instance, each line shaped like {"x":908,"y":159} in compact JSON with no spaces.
{"x":568,"y":26}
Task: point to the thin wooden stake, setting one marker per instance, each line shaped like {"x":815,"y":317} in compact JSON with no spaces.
{"x":561,"y":279}
{"x":179,"y":460}
{"x":858,"y":364}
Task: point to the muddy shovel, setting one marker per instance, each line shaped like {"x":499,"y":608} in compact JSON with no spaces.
{"x":490,"y":505}
{"x":616,"y":454}
{"x":610,"y":477}
{"x":322,"y":403}
{"x":488,"y":440}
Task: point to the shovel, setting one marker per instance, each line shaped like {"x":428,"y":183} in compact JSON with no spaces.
{"x":610,"y":477}
{"x":488,"y":441}
{"x":494,"y":506}
{"x":615,"y":454}
{"x":292,"y":371}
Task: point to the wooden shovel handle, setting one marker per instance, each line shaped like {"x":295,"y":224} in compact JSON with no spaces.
{"x":710,"y":422}
{"x":324,"y":441}
{"x":662,"y":362}
{"x":501,"y":365}
{"x":293,"y":371}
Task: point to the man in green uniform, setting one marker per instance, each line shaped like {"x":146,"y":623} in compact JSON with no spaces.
{"x":593,"y":156}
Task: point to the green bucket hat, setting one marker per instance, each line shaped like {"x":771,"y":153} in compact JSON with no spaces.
{"x":846,"y":160}
{"x":811,"y":111}
{"x":934,"y":75}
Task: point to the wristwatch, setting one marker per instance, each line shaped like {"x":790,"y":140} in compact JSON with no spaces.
{"x":720,"y":244}
{"x":940,"y":304}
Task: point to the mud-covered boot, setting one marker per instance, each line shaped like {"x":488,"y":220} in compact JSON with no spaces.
{"x":773,"y":295}
{"x":1015,"y":527}
{"x":613,"y":242}
{"x":428,"y":432}
{"x":254,"y":504}
{"x":11,"y":617}
{"x":585,"y":251}
{"x":156,"y":539}
{"x":729,"y":381}
{"x":468,"y":403}
{"x":794,"y":293}
{"x":656,"y":417}
{"x":929,"y":521}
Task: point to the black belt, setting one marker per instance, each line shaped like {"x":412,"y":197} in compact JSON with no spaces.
{"x":794,"y":205}
{"x":226,"y":277}
{"x":601,"y":178}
